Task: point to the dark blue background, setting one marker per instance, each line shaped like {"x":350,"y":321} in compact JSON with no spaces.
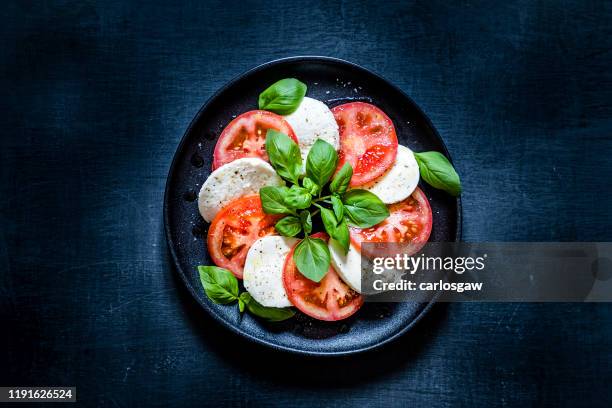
{"x":96,"y":96}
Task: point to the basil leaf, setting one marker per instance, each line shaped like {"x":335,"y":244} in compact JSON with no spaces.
{"x":271,"y":314}
{"x":311,"y":186}
{"x":289,"y":226}
{"x":284,"y":155}
{"x":437,"y":171}
{"x":311,"y":256}
{"x":321,"y":162}
{"x":364,"y":209}
{"x":241,"y":304}
{"x":338,"y":208}
{"x":329,"y":220}
{"x":298,"y":197}
{"x":219,"y":284}
{"x":342,"y":179}
{"x":342,"y":236}
{"x":337,"y":230}
{"x":306,"y":220}
{"x":273,"y":200}
{"x":283,"y":97}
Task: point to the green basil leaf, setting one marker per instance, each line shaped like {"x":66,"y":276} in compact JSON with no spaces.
{"x":273,"y":200}
{"x":298,"y":197}
{"x":321,"y":162}
{"x":283,"y":97}
{"x":241,"y":304}
{"x":271,"y":314}
{"x":289,"y":226}
{"x":284,"y":155}
{"x":220,"y":285}
{"x":364,"y":209}
{"x":342,"y":236}
{"x":306,"y":220}
{"x":311,"y":186}
{"x":329,"y":220}
{"x":336,"y":230}
{"x":342,"y":179}
{"x":338,"y":208}
{"x":311,"y":256}
{"x":437,"y":171}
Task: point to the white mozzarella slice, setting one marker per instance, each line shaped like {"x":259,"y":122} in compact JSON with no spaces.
{"x":263,"y":270}
{"x":233,"y":180}
{"x":399,"y":181}
{"x":348,"y":266}
{"x":311,"y":121}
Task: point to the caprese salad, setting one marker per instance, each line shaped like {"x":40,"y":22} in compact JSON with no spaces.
{"x":296,"y":189}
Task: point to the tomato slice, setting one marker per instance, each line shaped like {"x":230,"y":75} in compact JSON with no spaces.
{"x":409,"y":222}
{"x":245,"y":136}
{"x":367,"y":140}
{"x":331,"y":299}
{"x":235,"y":228}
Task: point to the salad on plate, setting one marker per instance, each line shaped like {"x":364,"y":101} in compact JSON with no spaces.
{"x":296,"y":189}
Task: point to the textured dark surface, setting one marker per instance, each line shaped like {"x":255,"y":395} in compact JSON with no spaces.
{"x":95,"y":98}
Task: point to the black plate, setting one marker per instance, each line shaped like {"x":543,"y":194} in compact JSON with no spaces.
{"x":333,"y":81}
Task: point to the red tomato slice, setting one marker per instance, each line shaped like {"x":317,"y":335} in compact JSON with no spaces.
{"x":331,"y":299}
{"x":367,"y":140}
{"x":409,"y":222}
{"x":245,"y":136}
{"x":235,"y":228}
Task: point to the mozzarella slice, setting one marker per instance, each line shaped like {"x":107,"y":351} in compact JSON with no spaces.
{"x":348,"y":266}
{"x":399,"y":181}
{"x":263,"y":270}
{"x":311,"y":121}
{"x":233,"y":180}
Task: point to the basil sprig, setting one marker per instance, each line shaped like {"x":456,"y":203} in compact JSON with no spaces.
{"x":221,"y":286}
{"x":437,"y":171}
{"x":283,"y":97}
{"x":300,"y":203}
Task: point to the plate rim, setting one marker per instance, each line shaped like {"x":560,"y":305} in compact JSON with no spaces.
{"x":172,"y":169}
